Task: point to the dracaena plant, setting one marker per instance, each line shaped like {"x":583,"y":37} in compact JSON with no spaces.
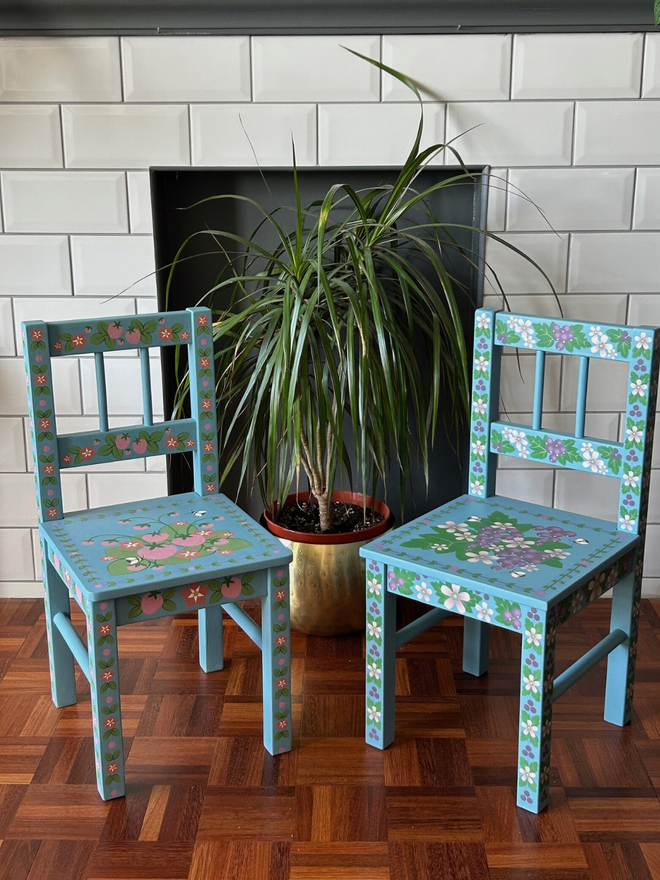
{"x":318,"y":338}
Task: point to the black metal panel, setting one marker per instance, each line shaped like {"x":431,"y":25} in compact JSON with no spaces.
{"x":176,"y":189}
{"x":24,"y":17}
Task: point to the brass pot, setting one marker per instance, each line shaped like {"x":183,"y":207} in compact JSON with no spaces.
{"x":327,"y":575}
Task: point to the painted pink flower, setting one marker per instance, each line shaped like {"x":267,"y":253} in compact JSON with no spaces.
{"x":108,"y":675}
{"x":113,"y":767}
{"x":282,"y":723}
{"x":163,"y":551}
{"x":110,"y":722}
{"x":280,"y":640}
{"x":104,"y":629}
{"x":187,"y":554}
{"x":202,"y":320}
{"x":78,"y":340}
{"x":280,"y":594}
{"x":165,"y":333}
{"x":208,"y":447}
{"x":41,"y":379}
{"x":108,"y":558}
{"x":57,"y":346}
{"x":180,"y":522}
{"x":225,"y":552}
{"x":184,"y":335}
{"x":207,"y":404}
{"x":190,"y":442}
{"x":87,"y":452}
{"x":282,"y":683}
{"x":37,"y":335}
{"x":210,"y":488}
{"x":195,"y":593}
{"x":130,"y":545}
{"x":66,"y":459}
{"x":171,"y":442}
{"x":49,"y":469}
{"x":44,"y":423}
{"x":204,"y":362}
{"x":53,"y":512}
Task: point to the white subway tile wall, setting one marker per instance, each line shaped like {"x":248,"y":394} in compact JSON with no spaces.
{"x":567,"y":119}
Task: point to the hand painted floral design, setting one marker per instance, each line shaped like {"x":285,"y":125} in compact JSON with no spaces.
{"x":557,"y":449}
{"x":499,"y":541}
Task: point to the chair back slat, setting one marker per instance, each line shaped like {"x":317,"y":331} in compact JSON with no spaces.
{"x":197,"y":434}
{"x":145,"y":372}
{"x":101,"y":391}
{"x":581,"y":402}
{"x":629,"y":461}
{"x":537,"y":415}
{"x":124,"y":333}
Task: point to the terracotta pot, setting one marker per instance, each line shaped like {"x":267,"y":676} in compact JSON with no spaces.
{"x":327,"y":574}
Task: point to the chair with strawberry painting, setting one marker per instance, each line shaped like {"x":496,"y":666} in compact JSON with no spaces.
{"x":132,"y":562}
{"x":526,"y":567}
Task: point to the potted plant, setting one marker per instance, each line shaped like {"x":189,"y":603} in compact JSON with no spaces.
{"x":317,"y":346}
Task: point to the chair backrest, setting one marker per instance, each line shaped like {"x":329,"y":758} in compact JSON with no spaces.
{"x":629,"y":461}
{"x":53,"y":453}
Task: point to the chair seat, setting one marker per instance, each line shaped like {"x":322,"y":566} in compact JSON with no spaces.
{"x":109,"y":551}
{"x":513,"y":546}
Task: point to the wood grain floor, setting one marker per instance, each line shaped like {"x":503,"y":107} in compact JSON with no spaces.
{"x":206,"y":802}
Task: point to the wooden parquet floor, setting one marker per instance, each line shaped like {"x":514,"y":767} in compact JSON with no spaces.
{"x":206,"y":802}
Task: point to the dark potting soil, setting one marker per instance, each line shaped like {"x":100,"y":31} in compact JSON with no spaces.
{"x":304,"y":517}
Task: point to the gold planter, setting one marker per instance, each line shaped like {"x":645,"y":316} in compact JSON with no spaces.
{"x":327,"y":579}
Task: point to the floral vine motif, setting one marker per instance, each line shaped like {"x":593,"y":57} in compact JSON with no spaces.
{"x":280,"y":651}
{"x":499,"y":542}
{"x":612,"y":343}
{"x":115,"y":335}
{"x":374,"y":705}
{"x":155,"y":544}
{"x":192,"y":595}
{"x":121,"y":446}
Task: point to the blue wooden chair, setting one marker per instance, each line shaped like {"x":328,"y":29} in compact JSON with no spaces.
{"x":133,"y":562}
{"x":523,"y":566}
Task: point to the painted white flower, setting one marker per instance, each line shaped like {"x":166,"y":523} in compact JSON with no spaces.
{"x":452,"y":527}
{"x":560,"y":554}
{"x":626,"y":523}
{"x":602,"y":346}
{"x":635,"y":435}
{"x":483,"y":321}
{"x":456,"y":596}
{"x":519,"y":440}
{"x":373,"y":669}
{"x":532,"y":637}
{"x":630,"y":479}
{"x":476,"y":488}
{"x":374,"y":630}
{"x":480,"y":364}
{"x":638,"y":388}
{"x":594,"y":333}
{"x":531,"y":684}
{"x":501,"y":525}
{"x":374,"y":715}
{"x":643,"y":341}
{"x":423,"y":591}
{"x":440,"y":548}
{"x":374,"y":586}
{"x":529,"y":729}
{"x":479,"y":448}
{"x":481,"y":556}
{"x":518,"y":541}
{"x":479,"y":405}
{"x":592,"y":460}
{"x":586,"y":447}
{"x":526,"y":775}
{"x":483,"y":611}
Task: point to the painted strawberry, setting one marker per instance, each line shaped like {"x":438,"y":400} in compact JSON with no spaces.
{"x":158,"y":538}
{"x":151,"y":603}
{"x":140,"y":446}
{"x":115,"y":331}
{"x":232,"y":589}
{"x":133,"y":336}
{"x":164,"y":551}
{"x":190,"y":541}
{"x":122,"y":441}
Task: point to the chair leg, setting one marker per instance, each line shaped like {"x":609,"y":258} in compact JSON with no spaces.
{"x":276,"y":662}
{"x":626,"y":597}
{"x":210,"y":638}
{"x":380,"y":658}
{"x":536,"y":680}
{"x":106,"y":706}
{"x":60,"y":658}
{"x":476,"y":641}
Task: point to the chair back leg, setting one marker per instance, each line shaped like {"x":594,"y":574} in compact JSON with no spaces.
{"x":60,"y":658}
{"x":476,"y":643}
{"x":106,"y":703}
{"x":626,"y":597}
{"x":276,"y":662}
{"x":210,"y":638}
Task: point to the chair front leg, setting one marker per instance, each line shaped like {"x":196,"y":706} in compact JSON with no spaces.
{"x":626,"y":597}
{"x":276,"y":662}
{"x":106,"y":705}
{"x":536,"y":680}
{"x":380,"y":657}
{"x":209,"y":624}
{"x":60,"y":658}
{"x":476,"y":642}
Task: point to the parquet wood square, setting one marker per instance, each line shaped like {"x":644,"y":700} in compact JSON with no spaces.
{"x":206,"y":802}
